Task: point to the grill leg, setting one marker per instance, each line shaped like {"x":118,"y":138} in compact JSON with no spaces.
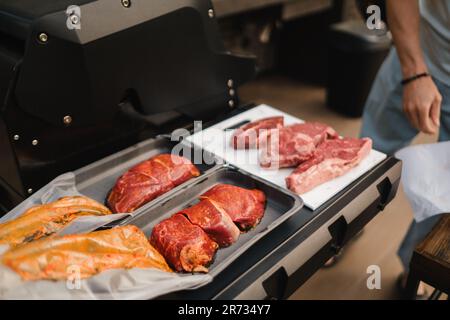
{"x":412,"y":284}
{"x":435,"y":295}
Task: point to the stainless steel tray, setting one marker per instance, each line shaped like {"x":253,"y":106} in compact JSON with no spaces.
{"x":97,"y":179}
{"x":281,"y":205}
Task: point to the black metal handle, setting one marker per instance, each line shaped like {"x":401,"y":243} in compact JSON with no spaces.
{"x":336,"y":248}
{"x":338,"y":231}
{"x":385,"y":189}
{"x":275,"y":285}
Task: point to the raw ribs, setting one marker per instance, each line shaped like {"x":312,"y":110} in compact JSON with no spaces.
{"x":91,"y":253}
{"x":248,"y":136}
{"x":148,"y":180}
{"x":245,"y":207}
{"x":291,"y":145}
{"x":332,"y":159}
{"x":185,"y":246}
{"x":213,"y":219}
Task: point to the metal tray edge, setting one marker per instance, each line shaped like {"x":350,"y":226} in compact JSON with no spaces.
{"x":141,"y":145}
{"x":297,"y":206}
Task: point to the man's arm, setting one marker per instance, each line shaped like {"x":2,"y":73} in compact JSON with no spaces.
{"x":421,"y":98}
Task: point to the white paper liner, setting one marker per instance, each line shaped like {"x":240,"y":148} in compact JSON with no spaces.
{"x":111,"y":284}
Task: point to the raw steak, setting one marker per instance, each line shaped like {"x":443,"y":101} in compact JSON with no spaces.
{"x":332,"y":159}
{"x":148,"y":180}
{"x":291,"y":145}
{"x":247,"y":136}
{"x":245,"y":207}
{"x":92,"y":253}
{"x":185,"y":246}
{"x":214,"y":221}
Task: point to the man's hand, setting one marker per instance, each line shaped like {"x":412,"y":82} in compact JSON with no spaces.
{"x":421,"y":98}
{"x":422,"y":105}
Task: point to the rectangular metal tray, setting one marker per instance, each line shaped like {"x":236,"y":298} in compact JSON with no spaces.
{"x":281,"y":205}
{"x":97,"y":179}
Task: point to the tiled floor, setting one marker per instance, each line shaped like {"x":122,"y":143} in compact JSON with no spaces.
{"x":381,"y":238}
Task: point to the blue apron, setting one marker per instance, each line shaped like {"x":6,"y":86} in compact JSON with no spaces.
{"x":385,"y":122}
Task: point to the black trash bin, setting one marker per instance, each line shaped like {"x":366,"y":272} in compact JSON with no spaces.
{"x":355,"y":55}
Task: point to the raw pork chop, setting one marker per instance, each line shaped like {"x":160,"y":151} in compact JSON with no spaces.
{"x":291,"y":145}
{"x":148,"y":180}
{"x":247,"y":136}
{"x":245,"y":207}
{"x":185,"y":246}
{"x":332,"y":159}
{"x":214,"y":221}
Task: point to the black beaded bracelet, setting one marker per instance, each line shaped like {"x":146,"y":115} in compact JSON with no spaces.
{"x":414,"y":78}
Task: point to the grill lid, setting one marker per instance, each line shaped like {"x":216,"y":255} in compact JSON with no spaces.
{"x":157,"y":55}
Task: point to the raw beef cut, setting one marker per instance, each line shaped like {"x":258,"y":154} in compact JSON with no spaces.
{"x":185,"y":246}
{"x":46,"y":219}
{"x":148,"y":180}
{"x":245,"y":207}
{"x":291,"y":145}
{"x":92,"y":253}
{"x":332,"y":159}
{"x":209,"y":216}
{"x":247,"y":136}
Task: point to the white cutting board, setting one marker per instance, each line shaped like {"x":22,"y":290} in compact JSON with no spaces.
{"x":216,"y":140}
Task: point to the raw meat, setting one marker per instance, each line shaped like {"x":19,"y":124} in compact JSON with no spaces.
{"x":332,"y":159}
{"x":58,"y":258}
{"x":247,"y":136}
{"x":185,"y":246}
{"x":291,"y":145}
{"x":209,"y":216}
{"x":148,"y":180}
{"x":245,"y":207}
{"x":44,"y":220}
